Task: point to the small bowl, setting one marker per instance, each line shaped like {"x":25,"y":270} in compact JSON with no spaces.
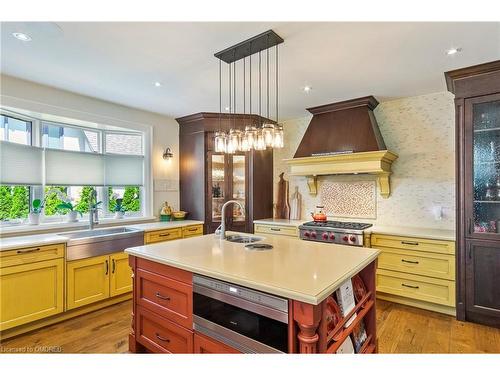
{"x":179,"y":215}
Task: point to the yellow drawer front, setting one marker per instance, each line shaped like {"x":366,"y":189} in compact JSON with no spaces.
{"x":30,"y":255}
{"x":413,"y":243}
{"x":192,"y":230}
{"x":418,"y":263}
{"x":276,"y":229}
{"x":162,"y":235}
{"x":417,"y":287}
{"x":30,"y":292}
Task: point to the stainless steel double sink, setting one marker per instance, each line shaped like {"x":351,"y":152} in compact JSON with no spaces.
{"x":90,"y":243}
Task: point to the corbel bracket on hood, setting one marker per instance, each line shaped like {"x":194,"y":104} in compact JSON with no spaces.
{"x":376,"y":163}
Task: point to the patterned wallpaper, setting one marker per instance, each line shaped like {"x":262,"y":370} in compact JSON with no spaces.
{"x":421,"y":131}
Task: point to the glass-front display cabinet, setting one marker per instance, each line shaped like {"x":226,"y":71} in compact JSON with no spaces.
{"x":483,"y":182}
{"x":228,"y":177}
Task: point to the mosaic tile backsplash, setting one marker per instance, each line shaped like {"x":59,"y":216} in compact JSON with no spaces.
{"x":421,"y":131}
{"x":356,"y":199}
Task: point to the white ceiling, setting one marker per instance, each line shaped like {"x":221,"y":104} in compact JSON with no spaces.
{"x":119,"y":62}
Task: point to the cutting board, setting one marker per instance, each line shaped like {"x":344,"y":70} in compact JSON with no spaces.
{"x":282,"y":206}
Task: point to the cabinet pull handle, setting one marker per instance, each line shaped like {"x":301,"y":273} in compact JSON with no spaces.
{"x":470,"y":252}
{"x":28,"y":251}
{"x":161,"y":338}
{"x":113,"y":266}
{"x":276,"y":229}
{"x":409,"y":243}
{"x":164,"y":234}
{"x":470,"y":226}
{"x":107,"y":267}
{"x":409,"y":261}
{"x":193,"y":229}
{"x":410,"y":286}
{"x":162,"y":297}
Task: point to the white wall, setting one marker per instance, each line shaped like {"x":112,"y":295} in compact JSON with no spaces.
{"x":421,"y":130}
{"x":30,"y":96}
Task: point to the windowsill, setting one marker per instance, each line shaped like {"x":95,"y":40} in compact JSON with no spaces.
{"x":25,"y":229}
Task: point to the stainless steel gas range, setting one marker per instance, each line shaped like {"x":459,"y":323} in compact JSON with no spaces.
{"x":339,"y":232}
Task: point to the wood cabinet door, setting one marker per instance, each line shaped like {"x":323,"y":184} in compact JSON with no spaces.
{"x":30,"y":292}
{"x":207,"y":345}
{"x":87,"y":281}
{"x":483,"y":281}
{"x":120,"y":280}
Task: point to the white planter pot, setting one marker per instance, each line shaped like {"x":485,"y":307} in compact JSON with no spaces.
{"x":119,"y":215}
{"x":72,"y":216}
{"x":34,"y":218}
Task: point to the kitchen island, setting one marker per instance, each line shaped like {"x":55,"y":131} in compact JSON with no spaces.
{"x":303,"y":273}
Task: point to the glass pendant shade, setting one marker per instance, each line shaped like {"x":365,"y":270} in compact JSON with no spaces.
{"x":260,"y":144}
{"x":244,"y":146}
{"x":233,"y":141}
{"x":251,"y":136}
{"x":278,"y":141}
{"x":220,"y":141}
{"x":268,"y":133}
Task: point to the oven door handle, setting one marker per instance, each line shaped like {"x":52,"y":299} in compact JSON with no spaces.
{"x":242,"y":303}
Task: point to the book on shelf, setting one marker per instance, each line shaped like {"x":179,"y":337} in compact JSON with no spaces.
{"x":346,"y":347}
{"x":359,"y":336}
{"x":346,"y":301}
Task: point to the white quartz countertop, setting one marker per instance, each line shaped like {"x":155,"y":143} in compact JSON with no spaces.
{"x":281,"y":222}
{"x":301,"y":270}
{"x":17,"y":242}
{"x":429,"y":233}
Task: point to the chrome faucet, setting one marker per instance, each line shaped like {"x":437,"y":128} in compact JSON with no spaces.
{"x":93,"y":215}
{"x":221,"y":230}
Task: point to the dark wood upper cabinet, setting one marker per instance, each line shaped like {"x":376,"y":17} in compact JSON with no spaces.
{"x":477,"y":111}
{"x":209,"y":179}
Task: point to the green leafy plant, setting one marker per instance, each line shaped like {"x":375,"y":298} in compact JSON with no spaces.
{"x":66,"y":207}
{"x":37,"y":206}
{"x":119,"y":207}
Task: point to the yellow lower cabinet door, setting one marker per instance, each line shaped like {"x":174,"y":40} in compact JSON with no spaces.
{"x":121,"y":275}
{"x":30,"y":292}
{"x":87,"y":281}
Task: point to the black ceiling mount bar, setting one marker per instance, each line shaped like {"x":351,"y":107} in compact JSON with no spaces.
{"x":250,"y":46}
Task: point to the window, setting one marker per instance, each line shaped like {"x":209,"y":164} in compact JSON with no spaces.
{"x":69,"y":138}
{"x":14,"y":200}
{"x":15,"y":130}
{"x":117,"y":150}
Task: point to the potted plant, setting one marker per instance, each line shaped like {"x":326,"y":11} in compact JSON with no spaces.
{"x":36,"y":209}
{"x":72,"y":211}
{"x":119,"y":209}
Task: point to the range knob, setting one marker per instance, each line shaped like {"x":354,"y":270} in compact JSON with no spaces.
{"x":352,"y":239}
{"x":345,"y":238}
{"x":332,"y":236}
{"x":325,"y":236}
{"x":313,"y":234}
{"x":307,"y":234}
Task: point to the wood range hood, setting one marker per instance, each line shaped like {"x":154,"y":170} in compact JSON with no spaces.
{"x":343,"y":138}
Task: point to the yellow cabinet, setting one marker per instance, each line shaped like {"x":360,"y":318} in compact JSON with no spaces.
{"x":192,"y":230}
{"x":121,"y":275}
{"x":162,"y":235}
{"x":87,"y":281}
{"x":280,"y":230}
{"x":94,"y":279}
{"x":29,"y":292}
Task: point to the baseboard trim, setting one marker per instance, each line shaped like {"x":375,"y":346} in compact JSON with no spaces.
{"x":28,"y":327}
{"x":448,"y":310}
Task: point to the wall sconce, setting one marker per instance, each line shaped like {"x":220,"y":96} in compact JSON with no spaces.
{"x":168,"y":155}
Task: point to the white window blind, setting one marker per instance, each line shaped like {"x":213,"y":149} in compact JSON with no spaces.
{"x":20,"y":164}
{"x":73,"y":168}
{"x":123,"y":170}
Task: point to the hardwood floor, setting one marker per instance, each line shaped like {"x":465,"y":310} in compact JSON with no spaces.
{"x":401,"y":329}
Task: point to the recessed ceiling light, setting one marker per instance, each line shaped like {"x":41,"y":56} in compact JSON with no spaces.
{"x":157,"y":84}
{"x":227,"y":109}
{"x":453,"y":51}
{"x":307,"y":89}
{"x":22,"y":37}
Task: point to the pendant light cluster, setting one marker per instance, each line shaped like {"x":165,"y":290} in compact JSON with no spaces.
{"x":256,"y":135}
